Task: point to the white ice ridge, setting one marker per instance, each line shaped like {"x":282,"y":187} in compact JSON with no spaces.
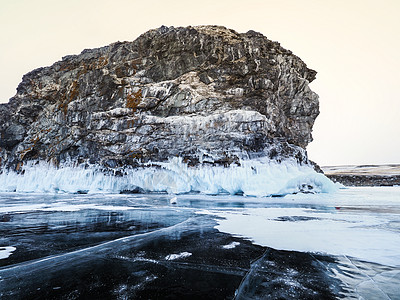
{"x":252,"y":178}
{"x":5,"y":252}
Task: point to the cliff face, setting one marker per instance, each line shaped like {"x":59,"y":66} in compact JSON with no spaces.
{"x":206,"y":94}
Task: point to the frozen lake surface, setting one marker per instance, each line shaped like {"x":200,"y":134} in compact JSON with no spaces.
{"x":111,"y":246}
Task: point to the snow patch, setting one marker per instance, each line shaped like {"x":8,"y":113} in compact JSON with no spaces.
{"x":231,"y":245}
{"x":5,"y":252}
{"x":178,"y":256}
{"x":370,"y":216}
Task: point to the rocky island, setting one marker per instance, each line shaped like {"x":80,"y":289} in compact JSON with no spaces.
{"x":203,"y":96}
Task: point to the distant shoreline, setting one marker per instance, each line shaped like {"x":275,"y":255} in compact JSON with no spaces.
{"x":364,"y":175}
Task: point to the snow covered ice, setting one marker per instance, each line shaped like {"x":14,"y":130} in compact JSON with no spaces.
{"x":368,"y":231}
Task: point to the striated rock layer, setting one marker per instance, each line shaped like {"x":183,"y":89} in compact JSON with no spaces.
{"x":207,"y":94}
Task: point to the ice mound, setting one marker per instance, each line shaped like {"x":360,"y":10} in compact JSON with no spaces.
{"x":257,"y":177}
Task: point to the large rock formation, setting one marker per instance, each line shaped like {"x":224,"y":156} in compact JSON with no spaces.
{"x":207,"y":94}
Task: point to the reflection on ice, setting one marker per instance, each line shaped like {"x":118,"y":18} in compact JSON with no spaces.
{"x":59,"y":206}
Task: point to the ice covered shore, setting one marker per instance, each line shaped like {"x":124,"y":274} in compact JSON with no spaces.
{"x":252,"y":178}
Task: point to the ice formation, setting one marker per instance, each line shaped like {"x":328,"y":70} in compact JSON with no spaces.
{"x":257,"y":177}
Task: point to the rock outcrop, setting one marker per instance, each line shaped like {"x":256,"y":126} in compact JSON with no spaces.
{"x":207,"y":94}
{"x":364,"y":175}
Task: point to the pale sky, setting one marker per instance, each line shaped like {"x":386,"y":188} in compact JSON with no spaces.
{"x":354,"y":45}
